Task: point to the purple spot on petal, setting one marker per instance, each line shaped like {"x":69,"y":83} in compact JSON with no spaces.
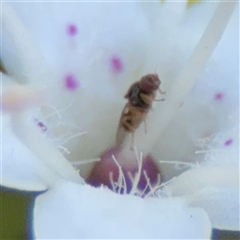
{"x":72,"y":30}
{"x":116,"y":64}
{"x":41,"y":125}
{"x":71,"y":83}
{"x":218,"y":96}
{"x":228,"y":142}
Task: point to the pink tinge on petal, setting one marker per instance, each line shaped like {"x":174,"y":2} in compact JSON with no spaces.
{"x":70,"y":82}
{"x":72,"y":30}
{"x":106,"y":172}
{"x":18,"y":98}
{"x":116,"y":64}
{"x":218,"y":96}
{"x":228,"y":142}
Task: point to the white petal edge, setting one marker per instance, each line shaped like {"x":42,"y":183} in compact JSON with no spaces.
{"x":215,"y":189}
{"x":19,"y":166}
{"x":72,"y":211}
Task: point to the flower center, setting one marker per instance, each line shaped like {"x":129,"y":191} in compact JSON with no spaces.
{"x":135,"y":176}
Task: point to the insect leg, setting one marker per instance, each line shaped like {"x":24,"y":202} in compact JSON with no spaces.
{"x":132,"y":142}
{"x":161,"y":92}
{"x":145,"y":126}
{"x":159,"y":100}
{"x":147,"y":98}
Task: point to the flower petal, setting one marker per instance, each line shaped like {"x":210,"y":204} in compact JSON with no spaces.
{"x":19,"y":166}
{"x":74,"y":211}
{"x":21,"y":55}
{"x":215,"y":189}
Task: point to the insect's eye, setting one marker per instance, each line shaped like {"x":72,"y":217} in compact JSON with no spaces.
{"x":152,"y":80}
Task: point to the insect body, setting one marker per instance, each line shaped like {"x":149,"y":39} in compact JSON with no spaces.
{"x":140,"y":96}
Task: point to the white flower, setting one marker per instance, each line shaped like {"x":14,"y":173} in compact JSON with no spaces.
{"x":69,"y":65}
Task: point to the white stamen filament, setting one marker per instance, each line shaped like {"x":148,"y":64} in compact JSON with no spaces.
{"x":208,"y":151}
{"x":153,"y":189}
{"x":163,"y":185}
{"x":113,"y":184}
{"x":179,"y":162}
{"x":72,"y":137}
{"x":56,"y":111}
{"x":147,"y":185}
{"x":121,"y":179}
{"x":80,"y":162}
{"x":138,"y":176}
{"x":65,"y":150}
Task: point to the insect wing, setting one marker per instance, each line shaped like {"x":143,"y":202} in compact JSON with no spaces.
{"x":133,"y":94}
